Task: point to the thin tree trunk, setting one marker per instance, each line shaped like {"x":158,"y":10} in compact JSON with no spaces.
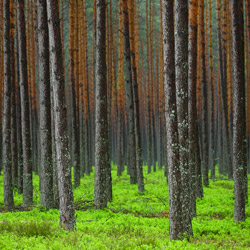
{"x":204,"y":96}
{"x":192,"y":108}
{"x":8,"y":188}
{"x":26,"y":137}
{"x":212,"y":97}
{"x":130,"y":97}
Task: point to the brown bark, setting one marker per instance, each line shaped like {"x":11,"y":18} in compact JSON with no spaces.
{"x":73,"y":85}
{"x":204,"y":92}
{"x":129,"y":97}
{"x":192,"y":108}
{"x":139,"y":170}
{"x":14,"y":159}
{"x":212,"y":97}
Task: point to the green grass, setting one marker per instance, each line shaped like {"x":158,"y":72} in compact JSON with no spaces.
{"x":131,"y":221}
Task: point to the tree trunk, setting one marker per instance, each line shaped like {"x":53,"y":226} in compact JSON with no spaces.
{"x":139,"y":169}
{"x":8,"y":188}
{"x":67,"y":215}
{"x":26,"y":137}
{"x":174,"y":180}
{"x":72,"y":88}
{"x":130,"y":98}
{"x":239,"y":114}
{"x":181,"y":69}
{"x":101,"y":136}
{"x":192,"y":108}
{"x":212,"y":98}
{"x":46,"y":164}
{"x":14,"y":159}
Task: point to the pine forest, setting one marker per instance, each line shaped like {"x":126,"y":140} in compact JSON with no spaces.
{"x":125,"y":124}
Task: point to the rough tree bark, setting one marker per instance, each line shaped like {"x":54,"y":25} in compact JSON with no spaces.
{"x":101,"y":133}
{"x":181,"y":71}
{"x":239,"y":111}
{"x":14,"y":159}
{"x":72,"y":88}
{"x":8,"y":188}
{"x":23,"y":81}
{"x":203,"y":83}
{"x":174,"y":179}
{"x":139,"y":170}
{"x":66,"y":199}
{"x":130,"y":98}
{"x":46,"y":164}
{"x":192,"y":108}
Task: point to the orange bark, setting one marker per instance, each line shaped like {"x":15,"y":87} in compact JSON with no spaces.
{"x":121,"y":93}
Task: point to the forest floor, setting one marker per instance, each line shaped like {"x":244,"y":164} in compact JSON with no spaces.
{"x":131,"y":221}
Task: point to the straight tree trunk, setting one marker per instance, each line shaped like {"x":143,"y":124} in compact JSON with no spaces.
{"x":204,"y":96}
{"x":239,"y":111}
{"x":19,"y":126}
{"x":174,"y":179}
{"x":192,"y":108}
{"x":181,"y":72}
{"x":130,"y":97}
{"x":67,"y":214}
{"x":101,"y":133}
{"x":14,"y":159}
{"x":8,"y":187}
{"x":148,"y":100}
{"x":72,"y":89}
{"x":120,"y":160}
{"x":46,"y":164}
{"x":139,"y":169}
{"x":212,"y":97}
{"x":26,"y":137}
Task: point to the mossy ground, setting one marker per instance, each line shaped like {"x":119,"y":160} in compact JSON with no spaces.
{"x":131,"y":221}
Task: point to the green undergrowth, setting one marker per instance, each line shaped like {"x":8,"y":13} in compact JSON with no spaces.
{"x":132,"y":221}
